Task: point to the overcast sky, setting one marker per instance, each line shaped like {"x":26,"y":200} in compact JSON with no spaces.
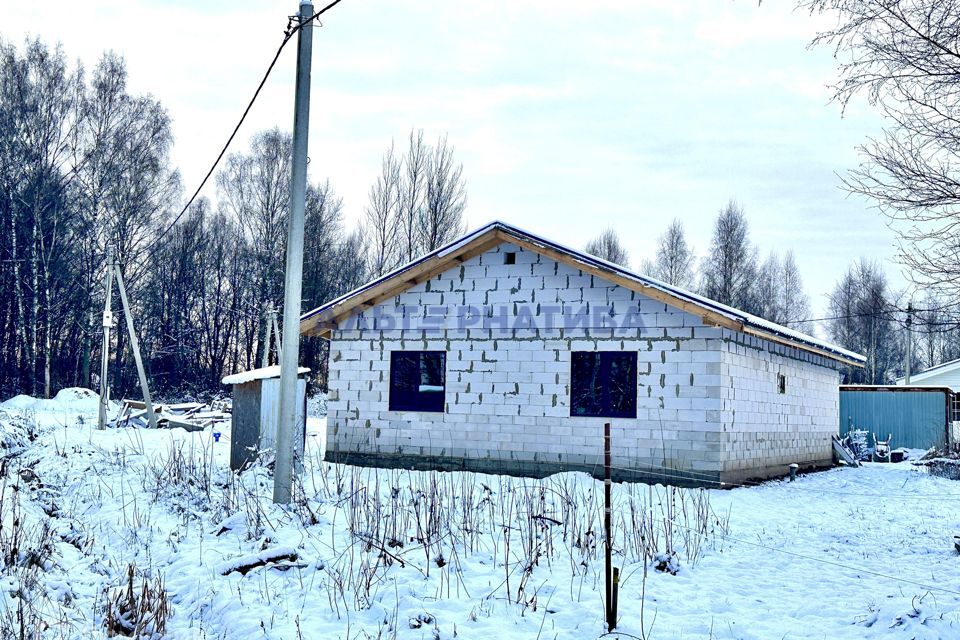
{"x":568,"y":116}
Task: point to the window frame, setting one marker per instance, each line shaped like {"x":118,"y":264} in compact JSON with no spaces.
{"x":418,"y":401}
{"x":605,"y":362}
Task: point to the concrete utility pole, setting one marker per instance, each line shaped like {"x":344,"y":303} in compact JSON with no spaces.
{"x":289,"y":359}
{"x":909,"y":356}
{"x":105,"y":351}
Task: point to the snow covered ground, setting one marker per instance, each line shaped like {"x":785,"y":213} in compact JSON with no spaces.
{"x":362,"y":553}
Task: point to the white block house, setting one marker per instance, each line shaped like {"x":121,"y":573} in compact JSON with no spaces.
{"x":505,"y":352}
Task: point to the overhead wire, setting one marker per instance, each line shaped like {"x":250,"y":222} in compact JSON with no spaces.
{"x":289,"y":32}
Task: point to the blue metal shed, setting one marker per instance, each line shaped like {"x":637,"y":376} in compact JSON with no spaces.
{"x":916,"y":417}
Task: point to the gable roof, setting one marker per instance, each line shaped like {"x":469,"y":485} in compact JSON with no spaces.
{"x":320,"y":321}
{"x":936,"y":370}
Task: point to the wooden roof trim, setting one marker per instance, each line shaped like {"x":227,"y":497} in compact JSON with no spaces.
{"x":321,"y":323}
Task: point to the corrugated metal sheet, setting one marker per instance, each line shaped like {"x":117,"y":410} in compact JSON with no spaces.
{"x":916,"y":418}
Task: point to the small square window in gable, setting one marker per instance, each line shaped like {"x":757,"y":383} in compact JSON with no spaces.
{"x":510,"y":257}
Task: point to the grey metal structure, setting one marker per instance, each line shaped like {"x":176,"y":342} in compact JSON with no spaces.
{"x":918,"y":417}
{"x":256,"y":404}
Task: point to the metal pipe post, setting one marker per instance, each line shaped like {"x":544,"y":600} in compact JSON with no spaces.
{"x":606,"y":526}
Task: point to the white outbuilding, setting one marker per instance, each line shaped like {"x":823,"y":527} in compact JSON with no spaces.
{"x":946,"y":374}
{"x":506,"y":352}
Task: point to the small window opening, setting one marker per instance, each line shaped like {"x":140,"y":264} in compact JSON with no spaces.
{"x":603,"y":384}
{"x":417,"y":380}
{"x":781,"y":383}
{"x":510,"y":258}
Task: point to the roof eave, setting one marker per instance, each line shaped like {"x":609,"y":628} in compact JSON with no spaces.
{"x":322,"y":320}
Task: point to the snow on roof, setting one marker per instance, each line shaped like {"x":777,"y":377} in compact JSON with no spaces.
{"x":943,"y":367}
{"x":731,"y":313}
{"x":259,"y":374}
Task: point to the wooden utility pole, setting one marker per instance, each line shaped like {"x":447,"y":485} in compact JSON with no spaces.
{"x":289,"y":360}
{"x":113,"y":271}
{"x":135,"y":347}
{"x":271,"y":327}
{"x":267,"y":324}
{"x":105,"y":351}
{"x":276,"y":334}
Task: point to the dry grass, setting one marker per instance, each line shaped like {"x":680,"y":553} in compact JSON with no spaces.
{"x":138,"y":613}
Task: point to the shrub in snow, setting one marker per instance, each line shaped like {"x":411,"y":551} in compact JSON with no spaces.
{"x":15,"y":431}
{"x":138,"y":613}
{"x":945,"y":468}
{"x":666,"y":563}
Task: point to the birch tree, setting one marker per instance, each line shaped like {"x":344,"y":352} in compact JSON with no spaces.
{"x":380,"y":216}
{"x":446,"y":198}
{"x":607,"y":246}
{"x":864,"y":320}
{"x":412,"y":194}
{"x":674,"y":259}
{"x":730,"y":268}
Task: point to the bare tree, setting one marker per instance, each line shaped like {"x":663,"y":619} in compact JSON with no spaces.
{"x":768,"y":290}
{"x":779,"y":292}
{"x":863,"y":319}
{"x":39,"y":93}
{"x":446,"y":198}
{"x":794,"y":304}
{"x":904,"y":57}
{"x":607,"y":246}
{"x":412,"y":196}
{"x":254,"y":190}
{"x":730,"y":269}
{"x":380,"y":216}
{"x":673,"y":262}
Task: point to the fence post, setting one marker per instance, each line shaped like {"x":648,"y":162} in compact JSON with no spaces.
{"x":609,"y":574}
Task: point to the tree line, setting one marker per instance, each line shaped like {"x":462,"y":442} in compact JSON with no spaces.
{"x":863,"y":314}
{"x":730,"y":273}
{"x":85,"y":164}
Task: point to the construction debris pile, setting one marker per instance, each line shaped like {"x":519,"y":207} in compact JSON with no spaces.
{"x":192,"y":416}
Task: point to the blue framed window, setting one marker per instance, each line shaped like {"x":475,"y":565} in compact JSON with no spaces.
{"x":417,"y":380}
{"x":603,"y":384}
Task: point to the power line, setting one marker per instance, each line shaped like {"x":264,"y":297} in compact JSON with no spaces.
{"x":290,"y":31}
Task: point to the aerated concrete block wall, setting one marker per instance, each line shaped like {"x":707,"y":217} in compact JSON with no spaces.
{"x":765,"y":430}
{"x":508,"y":378}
